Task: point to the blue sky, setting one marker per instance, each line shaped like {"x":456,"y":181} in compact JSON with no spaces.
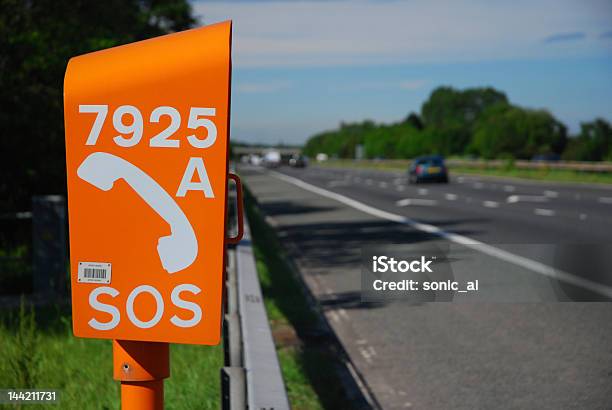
{"x":301,"y":67}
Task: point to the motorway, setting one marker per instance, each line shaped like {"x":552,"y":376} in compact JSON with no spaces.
{"x":458,"y":355}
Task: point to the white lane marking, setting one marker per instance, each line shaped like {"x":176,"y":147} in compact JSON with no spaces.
{"x":383,"y":184}
{"x":582,"y":217}
{"x":361,"y":342}
{"x":334,"y":316}
{"x":271,"y":221}
{"x":605,"y":200}
{"x":460,"y":179}
{"x":398,"y":181}
{"x":343,"y":313}
{"x":366,"y":355}
{"x":332,"y":184}
{"x":509,"y":188}
{"x":478,"y":185}
{"x":372,"y":351}
{"x":512,"y":199}
{"x":451,"y":197}
{"x":544,"y":212}
{"x":551,"y":194}
{"x":423,"y":191}
{"x":417,"y":202}
{"x":400,"y":188}
{"x":501,"y":254}
{"x":490,"y":204}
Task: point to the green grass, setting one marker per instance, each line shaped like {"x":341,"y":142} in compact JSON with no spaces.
{"x":38,"y":350}
{"x":553,"y":175}
{"x":308,"y":363}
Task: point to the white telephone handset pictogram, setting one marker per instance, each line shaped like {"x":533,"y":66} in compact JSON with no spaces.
{"x":176,"y":251}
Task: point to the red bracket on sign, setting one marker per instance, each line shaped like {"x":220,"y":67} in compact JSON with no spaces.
{"x":240,"y":212}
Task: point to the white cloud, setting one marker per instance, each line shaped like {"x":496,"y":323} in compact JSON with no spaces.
{"x":263,"y":87}
{"x":316,"y":33}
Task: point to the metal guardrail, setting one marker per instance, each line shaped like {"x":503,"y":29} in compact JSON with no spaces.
{"x":252,"y":377}
{"x":499,"y":163}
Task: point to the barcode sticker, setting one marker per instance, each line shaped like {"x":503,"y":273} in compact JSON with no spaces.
{"x":94,"y":272}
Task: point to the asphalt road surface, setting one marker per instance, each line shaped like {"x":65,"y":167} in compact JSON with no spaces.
{"x":548,"y":355}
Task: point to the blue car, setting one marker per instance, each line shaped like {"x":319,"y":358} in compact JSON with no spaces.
{"x":429,"y":168}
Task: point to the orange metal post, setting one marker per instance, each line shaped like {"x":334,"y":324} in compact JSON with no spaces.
{"x":141,"y":367}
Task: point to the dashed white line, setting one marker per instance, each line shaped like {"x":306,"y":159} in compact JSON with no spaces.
{"x":512,"y":199}
{"x":400,"y":188}
{"x":544,"y":212}
{"x":334,"y":316}
{"x":451,"y":197}
{"x":372,"y":351}
{"x":398,"y":181}
{"x":332,"y":184}
{"x":605,"y":200}
{"x":471,"y":243}
{"x":490,"y":204}
{"x":417,"y":202}
{"x":423,"y":191}
{"x":366,"y":355}
{"x":582,"y":217}
{"x":551,"y":194}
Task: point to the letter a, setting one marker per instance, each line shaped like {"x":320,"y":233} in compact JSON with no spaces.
{"x":196,"y":164}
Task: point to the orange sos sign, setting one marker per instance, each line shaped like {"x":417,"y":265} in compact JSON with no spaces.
{"x":147,"y":168}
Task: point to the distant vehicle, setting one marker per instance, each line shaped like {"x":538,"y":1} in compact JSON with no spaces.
{"x":255,"y":160}
{"x":428,"y":169}
{"x":272,"y":159}
{"x":322,"y":157}
{"x":298,"y":161}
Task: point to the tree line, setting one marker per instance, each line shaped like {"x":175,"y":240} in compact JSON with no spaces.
{"x":475,"y":122}
{"x":37,"y":38}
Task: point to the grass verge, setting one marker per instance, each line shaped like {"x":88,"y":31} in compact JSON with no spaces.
{"x":552,"y":175}
{"x":38,"y":350}
{"x":307,"y":359}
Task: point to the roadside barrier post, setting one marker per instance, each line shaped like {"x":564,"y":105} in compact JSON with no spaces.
{"x":141,"y":367}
